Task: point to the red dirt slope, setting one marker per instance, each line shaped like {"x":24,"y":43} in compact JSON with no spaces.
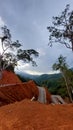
{"x":18,"y":90}
{"x":9,"y":77}
{"x":27,"y":115}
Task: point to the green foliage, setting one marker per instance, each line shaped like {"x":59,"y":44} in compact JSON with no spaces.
{"x":63,"y":92}
{"x":66,"y":73}
{"x":61,"y":30}
{"x":61,"y":65}
{"x":12,"y":52}
{"x":57,"y":87}
{"x":43,"y":79}
{"x":54,"y":82}
{"x":26,"y":55}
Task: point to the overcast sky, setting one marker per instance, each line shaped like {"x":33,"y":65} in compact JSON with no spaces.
{"x":28,"y":21}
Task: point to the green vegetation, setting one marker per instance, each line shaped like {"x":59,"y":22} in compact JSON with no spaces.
{"x":12,"y":52}
{"x":61,"y":30}
{"x":54,"y":83}
{"x":66,"y":73}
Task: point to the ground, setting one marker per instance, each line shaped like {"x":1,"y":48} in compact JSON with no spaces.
{"x":19,"y":113}
{"x":32,"y":115}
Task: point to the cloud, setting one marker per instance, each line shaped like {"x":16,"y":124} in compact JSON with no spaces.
{"x":33,"y":72}
{"x":41,"y":51}
{"x":2,"y":23}
{"x":22,"y":66}
{"x":28,"y":20}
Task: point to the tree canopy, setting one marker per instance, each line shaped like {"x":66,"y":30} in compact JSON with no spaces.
{"x":12,"y":51}
{"x":61,"y":30}
{"x":66,"y":73}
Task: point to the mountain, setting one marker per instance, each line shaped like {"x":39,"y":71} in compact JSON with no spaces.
{"x":39,"y":78}
{"x":27,"y":76}
{"x":54,"y":83}
{"x":46,"y":77}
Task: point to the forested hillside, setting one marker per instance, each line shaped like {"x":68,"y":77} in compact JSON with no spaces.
{"x":54,"y":82}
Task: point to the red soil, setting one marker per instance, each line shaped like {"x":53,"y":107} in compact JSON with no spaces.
{"x":30,"y":115}
{"x":27,"y":115}
{"x":9,"y":77}
{"x":18,"y":91}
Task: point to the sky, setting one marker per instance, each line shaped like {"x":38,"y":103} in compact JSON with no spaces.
{"x":28,"y":21}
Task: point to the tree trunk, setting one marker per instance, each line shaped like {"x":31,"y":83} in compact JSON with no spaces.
{"x":69,"y":93}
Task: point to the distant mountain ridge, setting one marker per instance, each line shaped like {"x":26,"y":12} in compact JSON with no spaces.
{"x":44,"y":77}
{"x":53,"y":82}
{"x":26,"y":75}
{"x":39,"y":78}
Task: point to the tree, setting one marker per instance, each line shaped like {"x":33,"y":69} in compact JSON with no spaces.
{"x":12,"y":52}
{"x":62,"y":29}
{"x":66,"y":73}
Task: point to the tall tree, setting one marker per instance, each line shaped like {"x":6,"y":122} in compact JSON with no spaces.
{"x":66,"y":73}
{"x":61,"y":30}
{"x":12,"y":52}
